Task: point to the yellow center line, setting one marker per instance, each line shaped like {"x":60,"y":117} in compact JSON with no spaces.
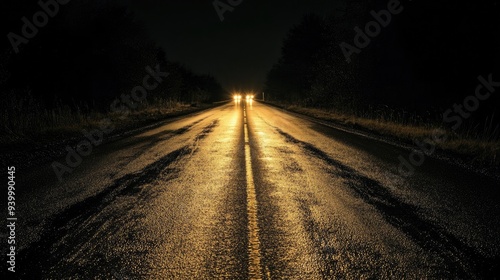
{"x":254,"y":265}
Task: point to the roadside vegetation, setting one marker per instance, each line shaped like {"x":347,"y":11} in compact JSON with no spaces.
{"x":475,"y":144}
{"x":426,"y":61}
{"x":39,"y":127}
{"x":66,"y":78}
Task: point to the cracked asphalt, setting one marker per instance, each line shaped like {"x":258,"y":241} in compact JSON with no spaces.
{"x":248,"y":191}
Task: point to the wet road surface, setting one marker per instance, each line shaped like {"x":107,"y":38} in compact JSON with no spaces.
{"x":252,"y":192}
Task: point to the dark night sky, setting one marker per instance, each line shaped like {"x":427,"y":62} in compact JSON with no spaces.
{"x":238,"y":51}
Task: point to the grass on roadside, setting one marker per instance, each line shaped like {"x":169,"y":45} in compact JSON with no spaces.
{"x":25,"y":127}
{"x":485,"y":150}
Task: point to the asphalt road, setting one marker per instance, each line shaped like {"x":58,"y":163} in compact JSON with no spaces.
{"x":247,"y":192}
